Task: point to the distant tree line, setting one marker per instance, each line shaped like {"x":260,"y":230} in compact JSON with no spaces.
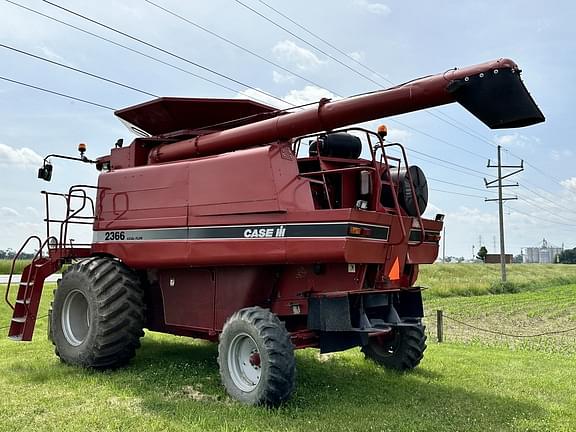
{"x":568,"y":256}
{"x":9,"y":254}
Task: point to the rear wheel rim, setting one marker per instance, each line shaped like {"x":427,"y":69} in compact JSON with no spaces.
{"x":244,"y":362}
{"x":75,"y":318}
{"x":387,"y":347}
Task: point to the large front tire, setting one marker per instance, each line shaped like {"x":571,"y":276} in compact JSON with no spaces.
{"x":256,"y":358}
{"x":401,"y":351}
{"x":98,"y":314}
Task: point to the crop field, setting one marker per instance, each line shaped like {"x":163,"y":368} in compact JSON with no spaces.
{"x":472,"y":382}
{"x":447,"y":280}
{"x":510,"y":318}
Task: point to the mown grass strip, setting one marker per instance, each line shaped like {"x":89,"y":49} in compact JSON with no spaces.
{"x":173,"y":384}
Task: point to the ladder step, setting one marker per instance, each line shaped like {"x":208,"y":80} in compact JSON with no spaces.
{"x":20,"y":320}
{"x":23,"y":302}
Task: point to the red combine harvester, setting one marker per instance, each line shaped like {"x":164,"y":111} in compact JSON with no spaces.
{"x":212,"y":226}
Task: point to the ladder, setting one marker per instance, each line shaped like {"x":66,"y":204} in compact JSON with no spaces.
{"x":25,"y":308}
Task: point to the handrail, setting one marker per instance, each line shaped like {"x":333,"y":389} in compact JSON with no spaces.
{"x":386,"y":169}
{"x":412,"y":190}
{"x":71,"y":216}
{"x":6,"y":296}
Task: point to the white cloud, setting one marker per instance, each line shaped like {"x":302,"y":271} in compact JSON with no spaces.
{"x":293,"y":98}
{"x":560,"y":154}
{"x":255,"y":95}
{"x":373,"y":7}
{"x":398,"y":135}
{"x":308,"y":94}
{"x":471,"y":217}
{"x":281,"y":78}
{"x":569,"y":184}
{"x":358,"y":55}
{"x":32,"y":211}
{"x":8,"y":212}
{"x":51,"y":54}
{"x":291,"y":53}
{"x":19,"y":157}
{"x":516,"y":140}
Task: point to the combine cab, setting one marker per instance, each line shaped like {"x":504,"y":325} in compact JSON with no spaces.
{"x":263,"y":230}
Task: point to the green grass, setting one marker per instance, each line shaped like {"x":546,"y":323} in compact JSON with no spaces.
{"x":6,"y":264}
{"x":446,"y":280}
{"x":173,"y":384}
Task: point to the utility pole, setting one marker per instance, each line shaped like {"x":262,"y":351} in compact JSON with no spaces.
{"x":501,"y":199}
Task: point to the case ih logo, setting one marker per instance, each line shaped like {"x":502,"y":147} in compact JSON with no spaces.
{"x":265,"y":232}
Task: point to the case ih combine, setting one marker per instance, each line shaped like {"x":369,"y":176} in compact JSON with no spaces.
{"x":215,"y":226}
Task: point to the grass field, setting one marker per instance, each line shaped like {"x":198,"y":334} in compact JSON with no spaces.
{"x":173,"y":384}
{"x":446,"y":280}
{"x":5,"y":266}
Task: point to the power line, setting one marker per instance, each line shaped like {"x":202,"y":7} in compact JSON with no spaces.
{"x":57,"y":93}
{"x":539,"y":208}
{"x":156,"y":59}
{"x":62,"y":65}
{"x":209,"y":69}
{"x":230,"y":42}
{"x":546,"y":199}
{"x":539,"y":218}
{"x":232,"y":79}
{"x":446,"y":162}
{"x":327,"y":43}
{"x":198,"y":65}
{"x":306,"y":42}
{"x":448,"y":119}
{"x":459,"y":185}
{"x":457,"y":193}
{"x":405,"y":125}
{"x":439,"y":139}
{"x":351,"y":69}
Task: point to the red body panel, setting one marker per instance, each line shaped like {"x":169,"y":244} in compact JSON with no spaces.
{"x":210,"y":227}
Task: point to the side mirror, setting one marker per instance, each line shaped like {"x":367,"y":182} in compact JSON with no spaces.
{"x":45,"y":173}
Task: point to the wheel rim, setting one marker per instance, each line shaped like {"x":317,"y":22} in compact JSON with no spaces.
{"x":244,"y":362}
{"x":386,"y":346}
{"x":75,"y":318}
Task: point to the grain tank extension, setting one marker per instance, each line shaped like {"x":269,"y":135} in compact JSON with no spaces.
{"x":263,"y":230}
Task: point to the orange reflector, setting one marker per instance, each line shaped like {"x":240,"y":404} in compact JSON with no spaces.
{"x":358,"y":231}
{"x":81,"y":147}
{"x":355,"y":230}
{"x":395,"y":270}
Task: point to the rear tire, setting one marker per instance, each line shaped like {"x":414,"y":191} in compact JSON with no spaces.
{"x":98,"y":314}
{"x":402,"y":352}
{"x":256,"y":358}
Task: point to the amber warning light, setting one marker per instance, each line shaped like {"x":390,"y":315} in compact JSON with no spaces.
{"x":382,"y":131}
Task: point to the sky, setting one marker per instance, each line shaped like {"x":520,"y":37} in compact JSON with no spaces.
{"x":396,"y":40}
